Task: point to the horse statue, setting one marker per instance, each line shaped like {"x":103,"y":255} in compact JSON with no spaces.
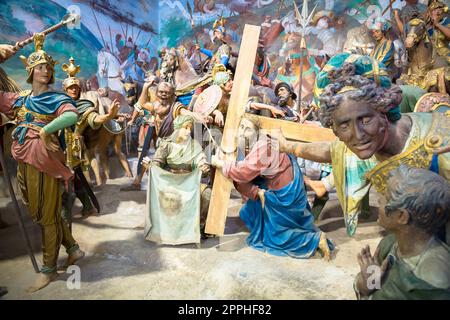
{"x":178,"y":70}
{"x":109,"y":73}
{"x":425,"y":69}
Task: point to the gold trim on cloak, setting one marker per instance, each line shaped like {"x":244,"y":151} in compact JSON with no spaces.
{"x":418,"y":155}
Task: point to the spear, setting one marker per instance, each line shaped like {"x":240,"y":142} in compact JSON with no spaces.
{"x":110,"y":39}
{"x":195,"y":34}
{"x":149,"y":39}
{"x":98,"y":27}
{"x":388,"y":7}
{"x":303,"y":19}
{"x":137,"y":37}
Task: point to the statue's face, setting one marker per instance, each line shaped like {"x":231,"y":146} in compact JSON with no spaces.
{"x":383,"y":219}
{"x":218,"y":35}
{"x":227,"y":87}
{"x":42,"y":73}
{"x":360,"y":127}
{"x":437,"y":14}
{"x":165,"y":94}
{"x":377,"y":35}
{"x":73,"y":91}
{"x":247,"y":132}
{"x":283,"y":93}
{"x":184,"y":133}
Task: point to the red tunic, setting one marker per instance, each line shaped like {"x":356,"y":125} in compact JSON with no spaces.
{"x":264,"y":160}
{"x":33,"y":150}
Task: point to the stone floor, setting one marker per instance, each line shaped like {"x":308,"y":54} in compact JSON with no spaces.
{"x":120,"y":264}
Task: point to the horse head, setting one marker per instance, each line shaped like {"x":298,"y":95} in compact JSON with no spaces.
{"x":169,"y":65}
{"x":416,"y":33}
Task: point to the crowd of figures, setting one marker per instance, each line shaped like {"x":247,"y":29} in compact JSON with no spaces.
{"x":382,"y":88}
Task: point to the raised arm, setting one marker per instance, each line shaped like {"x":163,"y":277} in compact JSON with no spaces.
{"x":314,"y":151}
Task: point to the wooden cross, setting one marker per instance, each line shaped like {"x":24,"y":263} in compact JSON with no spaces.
{"x":220,"y":196}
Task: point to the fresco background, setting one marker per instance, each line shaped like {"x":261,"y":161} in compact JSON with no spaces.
{"x":147,"y":25}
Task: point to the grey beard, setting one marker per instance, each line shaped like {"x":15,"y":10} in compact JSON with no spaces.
{"x":282,"y":102}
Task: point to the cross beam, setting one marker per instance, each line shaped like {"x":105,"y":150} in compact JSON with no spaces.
{"x":294,"y":130}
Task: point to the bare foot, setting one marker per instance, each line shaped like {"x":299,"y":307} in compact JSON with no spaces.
{"x":42,"y":281}
{"x":88,"y":213}
{"x":323,"y":246}
{"x":73,"y":258}
{"x":317,"y":186}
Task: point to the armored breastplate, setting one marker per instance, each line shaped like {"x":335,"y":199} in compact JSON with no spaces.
{"x":418,"y":155}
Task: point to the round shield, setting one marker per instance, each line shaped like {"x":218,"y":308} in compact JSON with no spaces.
{"x":114,"y":127}
{"x":432,"y":102}
{"x":208,"y":100}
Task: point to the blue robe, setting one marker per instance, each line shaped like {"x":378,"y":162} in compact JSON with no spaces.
{"x":286,"y":226}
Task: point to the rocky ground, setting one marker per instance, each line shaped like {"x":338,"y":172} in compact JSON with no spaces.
{"x":120,"y":264}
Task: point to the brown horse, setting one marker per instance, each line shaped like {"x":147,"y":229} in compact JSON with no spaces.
{"x":425,"y":69}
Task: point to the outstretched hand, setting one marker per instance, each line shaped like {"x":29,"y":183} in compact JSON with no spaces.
{"x":114,"y":109}
{"x":6,"y":52}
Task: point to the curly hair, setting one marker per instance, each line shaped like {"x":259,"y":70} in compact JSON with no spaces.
{"x":423,"y":193}
{"x":366,"y":91}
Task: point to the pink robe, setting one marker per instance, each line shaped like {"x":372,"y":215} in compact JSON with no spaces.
{"x":262,"y":161}
{"x":33,"y":150}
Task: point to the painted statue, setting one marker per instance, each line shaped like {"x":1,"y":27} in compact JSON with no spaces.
{"x":277,"y":212}
{"x":40,"y":114}
{"x":413,"y":262}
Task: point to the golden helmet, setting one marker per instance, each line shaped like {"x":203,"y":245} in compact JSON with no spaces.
{"x":39,"y":56}
{"x":71,"y":70}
